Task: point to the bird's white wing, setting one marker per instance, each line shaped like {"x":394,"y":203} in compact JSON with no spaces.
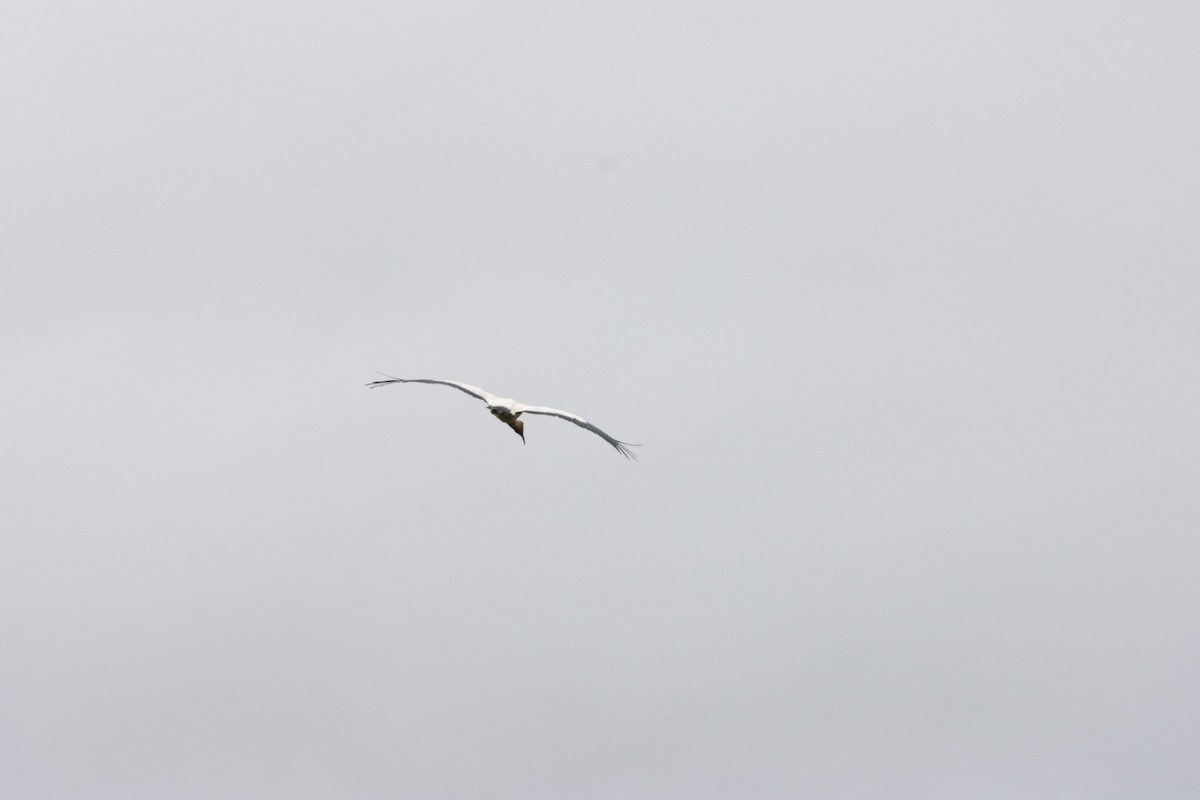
{"x":474,"y":391}
{"x":622,"y":447}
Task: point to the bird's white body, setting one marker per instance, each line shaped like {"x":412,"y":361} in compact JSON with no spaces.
{"x":508,"y":410}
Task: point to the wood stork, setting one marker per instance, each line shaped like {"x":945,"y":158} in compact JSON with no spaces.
{"x":508,"y":411}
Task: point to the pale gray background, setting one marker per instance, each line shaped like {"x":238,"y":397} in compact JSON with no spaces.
{"x":901,"y":299}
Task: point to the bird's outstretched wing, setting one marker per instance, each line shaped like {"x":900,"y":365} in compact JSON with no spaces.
{"x":474,"y":391}
{"x":622,"y":447}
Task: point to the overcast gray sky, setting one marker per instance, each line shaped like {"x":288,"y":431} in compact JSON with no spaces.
{"x":901,"y":300}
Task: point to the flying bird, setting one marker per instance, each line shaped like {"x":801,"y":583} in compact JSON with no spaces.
{"x":508,"y":411}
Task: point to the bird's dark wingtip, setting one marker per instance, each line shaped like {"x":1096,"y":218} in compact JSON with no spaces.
{"x":623,"y":449}
{"x":377,"y":384}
